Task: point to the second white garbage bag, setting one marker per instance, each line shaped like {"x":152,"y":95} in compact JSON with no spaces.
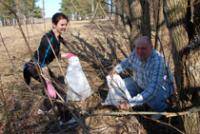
{"x":78,"y":85}
{"x":117,"y":91}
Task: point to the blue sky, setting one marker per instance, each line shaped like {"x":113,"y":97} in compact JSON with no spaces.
{"x":51,"y":7}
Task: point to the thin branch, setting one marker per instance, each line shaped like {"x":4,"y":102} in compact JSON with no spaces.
{"x":9,"y":56}
{"x":19,"y":24}
{"x":3,"y":98}
{"x":164,"y":123}
{"x":157,"y":24}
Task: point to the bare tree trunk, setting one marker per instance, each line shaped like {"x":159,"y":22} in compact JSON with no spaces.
{"x":92,"y":6}
{"x":117,"y":10}
{"x":145,"y":18}
{"x":156,"y":9}
{"x":175,"y":13}
{"x":43,"y":15}
{"x":137,"y":16}
{"x":133,"y":13}
{"x":196,"y":15}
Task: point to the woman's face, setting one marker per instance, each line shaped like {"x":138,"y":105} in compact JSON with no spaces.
{"x":61,"y":26}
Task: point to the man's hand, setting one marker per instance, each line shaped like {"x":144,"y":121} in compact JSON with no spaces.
{"x":112,"y":72}
{"x":124,"y":106}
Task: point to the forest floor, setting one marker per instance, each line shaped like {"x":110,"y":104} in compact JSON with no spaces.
{"x":19,"y":105}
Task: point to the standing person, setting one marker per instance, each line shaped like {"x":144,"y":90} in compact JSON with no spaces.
{"x":151,"y":83}
{"x":47,"y":51}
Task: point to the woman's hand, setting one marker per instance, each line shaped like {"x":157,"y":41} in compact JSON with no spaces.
{"x":51,"y":92}
{"x":67,"y":55}
{"x":63,"y":55}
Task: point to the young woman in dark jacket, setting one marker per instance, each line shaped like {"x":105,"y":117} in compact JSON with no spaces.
{"x":47,"y":51}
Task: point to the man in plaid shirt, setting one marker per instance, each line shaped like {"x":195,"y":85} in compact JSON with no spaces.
{"x":152,"y":82}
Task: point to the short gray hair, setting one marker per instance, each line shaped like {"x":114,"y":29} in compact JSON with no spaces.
{"x":142,"y":40}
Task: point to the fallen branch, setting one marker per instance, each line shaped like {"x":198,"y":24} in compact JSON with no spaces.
{"x":166,"y":114}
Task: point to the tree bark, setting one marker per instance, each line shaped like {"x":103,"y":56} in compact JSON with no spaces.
{"x":145,"y":18}
{"x":133,"y":13}
{"x":118,"y":12}
{"x":174,"y":13}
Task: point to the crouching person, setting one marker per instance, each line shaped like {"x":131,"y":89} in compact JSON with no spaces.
{"x":38,"y":69}
{"x":151,"y":83}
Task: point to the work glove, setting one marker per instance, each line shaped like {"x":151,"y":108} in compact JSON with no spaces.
{"x":67,"y":55}
{"x":50,"y":90}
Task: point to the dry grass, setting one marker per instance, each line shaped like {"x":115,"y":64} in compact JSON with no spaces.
{"x":22,"y":104}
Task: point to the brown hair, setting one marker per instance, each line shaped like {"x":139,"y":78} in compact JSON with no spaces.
{"x":58,"y":16}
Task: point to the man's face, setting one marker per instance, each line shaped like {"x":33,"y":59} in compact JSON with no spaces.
{"x":143,"y":51}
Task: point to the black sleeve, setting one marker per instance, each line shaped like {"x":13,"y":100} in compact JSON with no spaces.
{"x":42,"y":50}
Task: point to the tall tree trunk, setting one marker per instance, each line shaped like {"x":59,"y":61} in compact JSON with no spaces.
{"x":157,"y":17}
{"x":145,"y":18}
{"x":138,"y":18}
{"x":175,"y":13}
{"x":133,"y":11}
{"x":118,"y":12}
{"x":92,"y":6}
{"x":196,"y":15}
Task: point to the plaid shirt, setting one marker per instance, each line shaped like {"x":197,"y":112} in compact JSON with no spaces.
{"x":151,"y":75}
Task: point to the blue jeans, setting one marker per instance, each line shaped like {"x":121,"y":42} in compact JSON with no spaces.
{"x":157,"y":102}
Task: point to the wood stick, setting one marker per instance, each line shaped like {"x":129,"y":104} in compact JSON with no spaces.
{"x":9,"y":56}
{"x":167,"y":114}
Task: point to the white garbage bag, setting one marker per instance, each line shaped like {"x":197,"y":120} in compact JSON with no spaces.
{"x":117,"y":91}
{"x":78,"y":85}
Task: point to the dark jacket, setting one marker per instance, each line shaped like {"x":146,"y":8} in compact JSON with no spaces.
{"x":44,"y":54}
